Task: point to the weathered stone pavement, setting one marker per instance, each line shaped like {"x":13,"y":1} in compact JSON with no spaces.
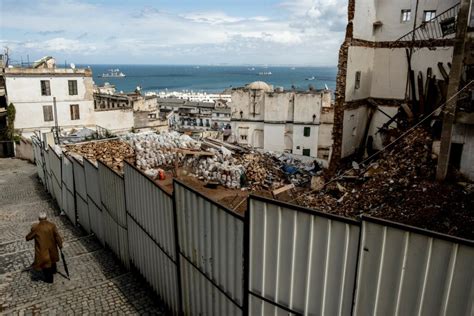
{"x":98,"y":285}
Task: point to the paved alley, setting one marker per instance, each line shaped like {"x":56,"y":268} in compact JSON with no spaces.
{"x":98,"y":285}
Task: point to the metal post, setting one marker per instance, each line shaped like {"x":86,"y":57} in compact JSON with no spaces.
{"x":453,"y":87}
{"x":56,"y":126}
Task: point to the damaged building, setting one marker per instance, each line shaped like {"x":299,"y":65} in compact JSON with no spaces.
{"x":395,"y":66}
{"x":297,"y":122}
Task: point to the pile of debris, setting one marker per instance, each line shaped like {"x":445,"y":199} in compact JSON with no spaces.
{"x":110,"y":152}
{"x":399,"y":185}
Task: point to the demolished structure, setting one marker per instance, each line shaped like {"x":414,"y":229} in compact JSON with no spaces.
{"x":394,"y":67}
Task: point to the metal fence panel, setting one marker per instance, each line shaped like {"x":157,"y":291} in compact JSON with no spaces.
{"x":408,"y":271}
{"x":81,"y":195}
{"x":151,"y":207}
{"x":48,"y":173}
{"x":201,"y":296}
{"x":56,"y":176}
{"x":39,"y":160}
{"x":67,"y":188}
{"x":93,"y":200}
{"x":112,"y":194}
{"x":157,"y":268}
{"x":300,"y":260}
{"x":211,"y":240}
{"x":151,"y":217}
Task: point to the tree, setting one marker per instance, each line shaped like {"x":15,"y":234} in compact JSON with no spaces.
{"x":10,"y":130}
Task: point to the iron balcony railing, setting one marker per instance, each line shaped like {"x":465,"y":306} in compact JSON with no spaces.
{"x":439,"y":27}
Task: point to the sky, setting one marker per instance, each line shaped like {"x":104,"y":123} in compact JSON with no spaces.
{"x":201,"y":32}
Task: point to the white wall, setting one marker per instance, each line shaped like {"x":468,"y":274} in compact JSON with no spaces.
{"x":364,"y":17}
{"x":355,"y":121}
{"x":307,"y":105}
{"x":242,"y":100}
{"x":309,"y":142}
{"x":25,"y":93}
{"x":359,"y":59}
{"x":274,"y":137}
{"x":389,"y":79}
{"x":116,"y":120}
{"x":277,"y":106}
{"x":464,"y":134}
{"x":254,"y":133}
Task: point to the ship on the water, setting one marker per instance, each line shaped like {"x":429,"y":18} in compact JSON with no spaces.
{"x":265,"y":73}
{"x":113,"y":73}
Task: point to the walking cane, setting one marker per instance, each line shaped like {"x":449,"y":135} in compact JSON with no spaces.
{"x":64,"y":263}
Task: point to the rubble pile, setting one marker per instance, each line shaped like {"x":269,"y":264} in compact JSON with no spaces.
{"x":158,"y":150}
{"x":110,"y":152}
{"x":399,"y":185}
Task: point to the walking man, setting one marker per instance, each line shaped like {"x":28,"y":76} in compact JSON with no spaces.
{"x":47,"y":241}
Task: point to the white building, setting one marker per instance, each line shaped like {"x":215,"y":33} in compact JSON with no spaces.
{"x":32,"y":91}
{"x":282,"y":121}
{"x":385,"y":39}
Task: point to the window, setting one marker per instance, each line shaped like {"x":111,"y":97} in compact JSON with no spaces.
{"x":429,"y":15}
{"x":306,"y":152}
{"x":243,"y":137}
{"x":48,"y":113}
{"x":357,"y":80}
{"x":405,"y":16}
{"x":74,"y":111}
{"x":72,"y":87}
{"x":307,"y":131}
{"x":45,"y":87}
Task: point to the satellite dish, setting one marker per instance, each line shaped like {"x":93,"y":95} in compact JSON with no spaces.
{"x":326,"y":86}
{"x":73,"y":66}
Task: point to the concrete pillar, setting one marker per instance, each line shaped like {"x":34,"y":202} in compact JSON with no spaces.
{"x":453,"y":87}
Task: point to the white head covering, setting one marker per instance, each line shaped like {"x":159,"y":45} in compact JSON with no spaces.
{"x":42,"y":215}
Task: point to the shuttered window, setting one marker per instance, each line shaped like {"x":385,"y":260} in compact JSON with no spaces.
{"x":45,"y":87}
{"x":72,"y":87}
{"x":48,"y":113}
{"x":74,"y":111}
{"x":307,"y":131}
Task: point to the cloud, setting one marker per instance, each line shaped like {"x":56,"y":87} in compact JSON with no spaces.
{"x":303,"y":32}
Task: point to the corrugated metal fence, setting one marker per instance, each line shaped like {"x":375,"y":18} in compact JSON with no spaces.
{"x":211,"y":249}
{"x":67,"y":189}
{"x":112,"y":194}
{"x":203,"y":259}
{"x":82,"y":206}
{"x":300,"y":261}
{"x":93,"y":199}
{"x":152,"y":235}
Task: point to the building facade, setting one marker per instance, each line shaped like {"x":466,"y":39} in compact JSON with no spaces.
{"x":282,"y":121}
{"x":33,"y":91}
{"x":396,"y":58}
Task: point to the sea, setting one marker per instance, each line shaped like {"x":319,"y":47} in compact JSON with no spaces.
{"x":213,"y":79}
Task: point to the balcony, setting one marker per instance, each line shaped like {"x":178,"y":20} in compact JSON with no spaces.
{"x":443,"y":26}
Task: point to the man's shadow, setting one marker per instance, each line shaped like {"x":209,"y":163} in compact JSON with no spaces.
{"x":38,"y":276}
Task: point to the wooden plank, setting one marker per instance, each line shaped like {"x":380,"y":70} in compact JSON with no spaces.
{"x":283,"y":189}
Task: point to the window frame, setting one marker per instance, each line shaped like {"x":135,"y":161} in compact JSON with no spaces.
{"x":432,"y":15}
{"x":72,"y":87}
{"x":306,"y":152}
{"x":45,"y":86}
{"x":405,"y":13}
{"x":71,"y":106}
{"x":306,"y":131}
{"x":358,"y":79}
{"x":50,"y":108}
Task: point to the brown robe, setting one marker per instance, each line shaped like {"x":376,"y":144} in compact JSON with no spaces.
{"x":47,"y":241}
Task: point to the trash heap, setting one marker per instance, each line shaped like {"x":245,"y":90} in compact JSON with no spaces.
{"x":399,"y":185}
{"x":110,"y":152}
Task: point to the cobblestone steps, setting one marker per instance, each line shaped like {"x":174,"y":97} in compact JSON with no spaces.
{"x":98,"y":283}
